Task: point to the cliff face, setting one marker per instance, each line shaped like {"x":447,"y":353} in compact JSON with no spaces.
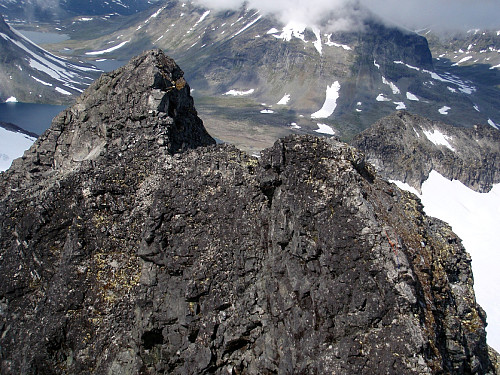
{"x":407,"y":147}
{"x":139,"y":258}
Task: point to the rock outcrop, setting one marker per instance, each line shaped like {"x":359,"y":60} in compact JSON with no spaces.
{"x":146,"y":253}
{"x":408,"y":147}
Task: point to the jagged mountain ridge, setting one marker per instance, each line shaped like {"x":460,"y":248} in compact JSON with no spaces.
{"x":377,"y":70}
{"x":32,"y":74}
{"x":145,"y":257}
{"x":413,"y":146}
{"x":33,"y":10}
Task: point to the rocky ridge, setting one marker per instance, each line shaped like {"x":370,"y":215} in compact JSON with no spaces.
{"x":154,"y":251}
{"x":413,"y":146}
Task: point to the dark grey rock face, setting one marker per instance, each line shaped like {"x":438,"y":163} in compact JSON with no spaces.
{"x":142,"y":260}
{"x":408,"y":147}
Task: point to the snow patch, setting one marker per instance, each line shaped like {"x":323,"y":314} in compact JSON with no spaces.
{"x":464,"y":87}
{"x":411,"y":96}
{"x":203,"y":16}
{"x":333,"y":44}
{"x":496,"y":126}
{"x":11,"y":99}
{"x":382,"y":98}
{"x":400,"y":105}
{"x":394,"y":88}
{"x":466,"y":58}
{"x":284,"y":100}
{"x":332,"y":94}
{"x":317,"y":43}
{"x":438,"y":138}
{"x":62,"y":91}
{"x":407,"y":65}
{"x":42,"y":82}
{"x":267,"y":111}
{"x":12,"y":146}
{"x":247,"y":26}
{"x":376,"y":65}
{"x":444,"y":110}
{"x":325,"y":129}
{"x":102,"y":52}
{"x":239,"y":93}
{"x":292,"y":30}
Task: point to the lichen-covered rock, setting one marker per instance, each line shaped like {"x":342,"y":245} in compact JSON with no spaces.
{"x":408,"y":147}
{"x":147,"y":261}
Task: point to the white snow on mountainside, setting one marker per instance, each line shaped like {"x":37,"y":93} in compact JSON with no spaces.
{"x":12,"y":146}
{"x":473,"y":217}
{"x":332,"y":94}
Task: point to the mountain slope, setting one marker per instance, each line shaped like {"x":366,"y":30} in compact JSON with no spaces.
{"x":46,"y":11}
{"x":31,"y":74}
{"x":413,"y":146}
{"x":302,"y":76}
{"x":154,"y":251}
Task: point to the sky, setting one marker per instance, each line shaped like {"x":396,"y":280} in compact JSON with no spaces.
{"x":440,"y":15}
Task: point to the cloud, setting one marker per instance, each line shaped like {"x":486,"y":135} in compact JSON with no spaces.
{"x":440,"y":15}
{"x":336,"y":14}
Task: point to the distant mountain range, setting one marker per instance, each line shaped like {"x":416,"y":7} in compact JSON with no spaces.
{"x":254,"y":77}
{"x":51,"y":10}
{"x":29,"y":73}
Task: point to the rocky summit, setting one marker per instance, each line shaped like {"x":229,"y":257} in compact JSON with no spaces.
{"x":131,"y":244}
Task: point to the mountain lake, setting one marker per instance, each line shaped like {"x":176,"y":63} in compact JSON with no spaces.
{"x":33,"y":117}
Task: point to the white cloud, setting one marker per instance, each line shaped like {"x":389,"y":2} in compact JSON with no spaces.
{"x":440,"y":15}
{"x":332,"y":15}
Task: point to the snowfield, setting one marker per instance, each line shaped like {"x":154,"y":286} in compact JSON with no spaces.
{"x":474,"y":218}
{"x":332,"y":94}
{"x":12,"y":146}
{"x":325,"y":129}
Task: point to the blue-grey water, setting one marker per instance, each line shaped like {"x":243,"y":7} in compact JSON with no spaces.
{"x":38,"y":37}
{"x":35,"y":118}
{"x":108,"y":65}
